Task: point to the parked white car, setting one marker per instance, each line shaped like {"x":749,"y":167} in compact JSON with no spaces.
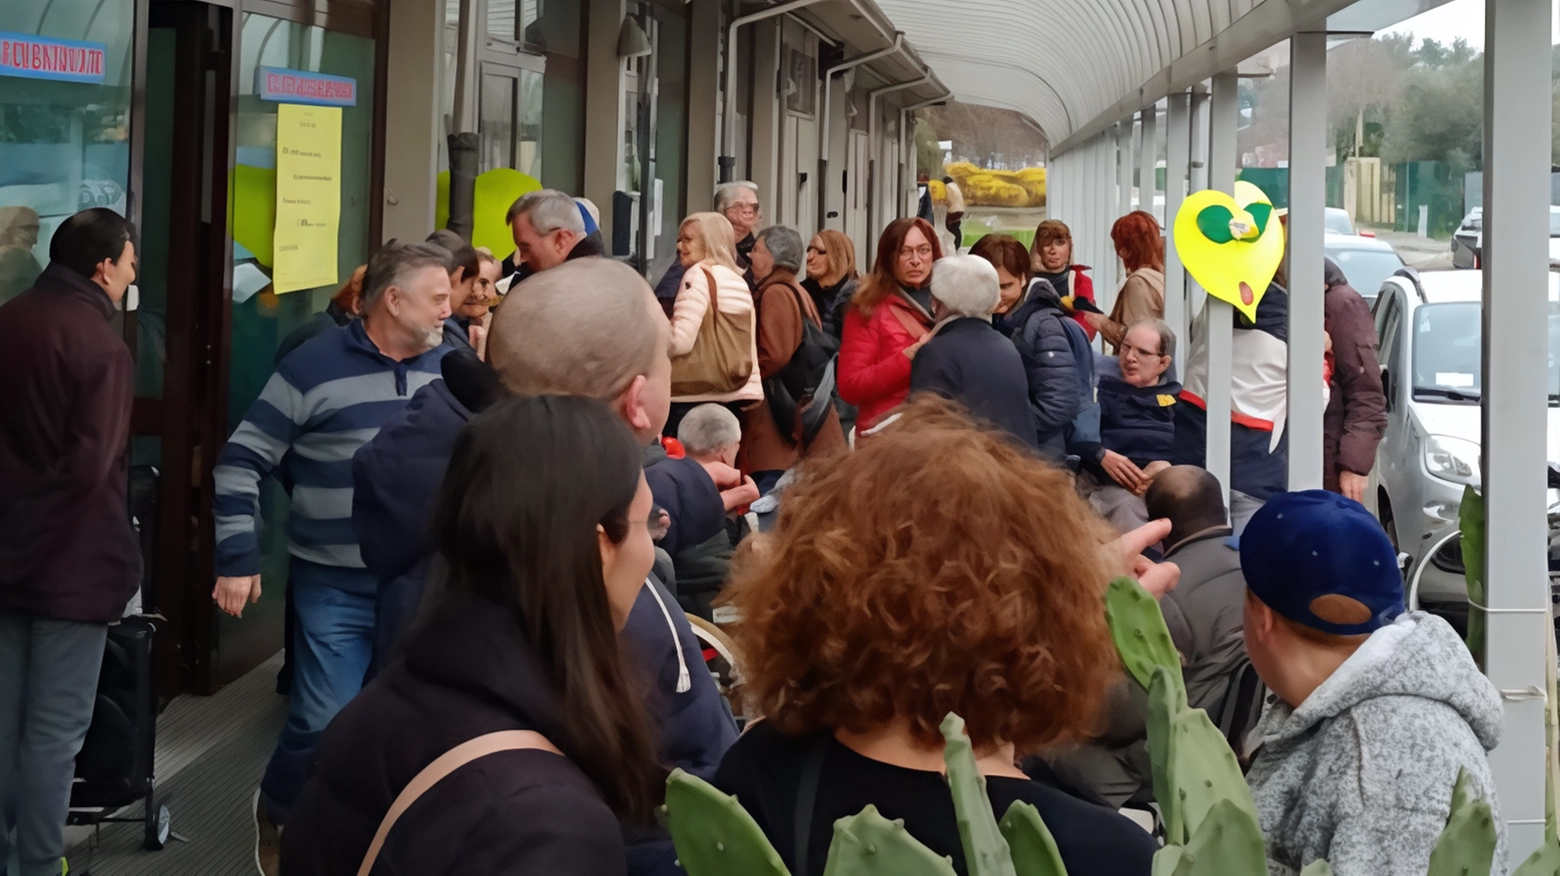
{"x":1431,"y":362}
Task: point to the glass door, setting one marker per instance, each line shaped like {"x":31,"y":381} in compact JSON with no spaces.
{"x":509,"y":113}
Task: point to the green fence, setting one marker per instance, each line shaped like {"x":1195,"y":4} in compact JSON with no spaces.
{"x":1429,"y":184}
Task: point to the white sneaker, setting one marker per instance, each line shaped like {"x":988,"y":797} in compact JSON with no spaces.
{"x":268,"y":840}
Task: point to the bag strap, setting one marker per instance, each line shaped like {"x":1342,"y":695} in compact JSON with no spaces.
{"x":912,"y":325}
{"x":806,"y":801}
{"x":709,"y":277}
{"x":442,"y":766}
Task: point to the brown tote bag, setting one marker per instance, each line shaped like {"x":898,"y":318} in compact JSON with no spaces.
{"x":442,"y":766}
{"x":721,"y":360}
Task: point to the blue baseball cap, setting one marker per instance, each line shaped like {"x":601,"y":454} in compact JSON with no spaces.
{"x":1322,"y":561}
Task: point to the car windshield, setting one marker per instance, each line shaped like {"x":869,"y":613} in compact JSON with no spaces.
{"x":1338,"y":222}
{"x":1365,"y":269}
{"x":1447,"y":352}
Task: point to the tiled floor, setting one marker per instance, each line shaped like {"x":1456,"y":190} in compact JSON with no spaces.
{"x":210,"y":752}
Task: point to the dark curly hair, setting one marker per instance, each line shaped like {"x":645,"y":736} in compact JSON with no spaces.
{"x":937,"y":569}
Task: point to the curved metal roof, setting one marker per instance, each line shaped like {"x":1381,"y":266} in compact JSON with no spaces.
{"x":1078,"y":66}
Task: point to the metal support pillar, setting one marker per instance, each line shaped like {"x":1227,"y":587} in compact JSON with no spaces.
{"x":1148,"y":158}
{"x":1178,"y":153}
{"x":1222,"y":120}
{"x":1307,"y":198}
{"x":1124,"y":166}
{"x":1515,"y":410}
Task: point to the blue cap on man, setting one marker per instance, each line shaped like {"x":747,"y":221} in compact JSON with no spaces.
{"x":1322,"y":561}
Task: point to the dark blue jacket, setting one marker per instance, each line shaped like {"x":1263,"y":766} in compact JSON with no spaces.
{"x":972,"y":363}
{"x":1058,"y":392}
{"x":1138,"y":422}
{"x":399,"y":474}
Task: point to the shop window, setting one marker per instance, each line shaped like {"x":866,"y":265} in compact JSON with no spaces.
{"x":801,"y":82}
{"x":517,"y":21}
{"x":64,"y":145}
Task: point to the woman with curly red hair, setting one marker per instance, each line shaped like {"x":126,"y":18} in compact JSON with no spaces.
{"x":1141,"y":297}
{"x":889,"y":319}
{"x":937,"y":569}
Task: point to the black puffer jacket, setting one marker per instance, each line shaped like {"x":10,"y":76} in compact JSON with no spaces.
{"x":1056,"y":391}
{"x":468,"y":671}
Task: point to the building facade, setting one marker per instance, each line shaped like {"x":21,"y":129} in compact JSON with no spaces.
{"x":175,"y":112}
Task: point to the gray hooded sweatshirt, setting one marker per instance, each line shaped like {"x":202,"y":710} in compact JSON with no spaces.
{"x":1361,"y":774}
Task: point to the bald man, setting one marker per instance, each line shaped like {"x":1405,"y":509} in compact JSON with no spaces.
{"x":587,"y":327}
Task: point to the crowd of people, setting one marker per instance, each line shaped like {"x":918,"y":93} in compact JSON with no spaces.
{"x":515,"y":482}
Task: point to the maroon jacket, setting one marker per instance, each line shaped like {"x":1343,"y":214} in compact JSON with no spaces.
{"x":1356,"y":414}
{"x":67,"y":550}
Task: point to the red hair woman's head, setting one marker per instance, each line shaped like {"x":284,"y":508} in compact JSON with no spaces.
{"x":1138,"y":241}
{"x":905,"y":253}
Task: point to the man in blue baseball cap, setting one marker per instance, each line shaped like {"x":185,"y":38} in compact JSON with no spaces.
{"x":1377,"y":710}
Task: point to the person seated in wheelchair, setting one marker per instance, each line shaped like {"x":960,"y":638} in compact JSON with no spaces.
{"x":1203,"y":614}
{"x":711,"y":436}
{"x":1137,"y":427}
{"x":939,"y":568}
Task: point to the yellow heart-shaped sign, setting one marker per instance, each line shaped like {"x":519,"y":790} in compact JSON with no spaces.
{"x":1232,"y":246}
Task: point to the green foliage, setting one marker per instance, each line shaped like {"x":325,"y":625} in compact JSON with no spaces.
{"x":1034,"y":849}
{"x":928,"y":157}
{"x":1441,"y":109}
{"x":1471,"y":522}
{"x":1467,"y":846}
{"x":1204,"y":771}
{"x":713,"y":834}
{"x":1317,"y":868}
{"x":1166,"y":699}
{"x":985,"y":851}
{"x":1138,"y":628}
{"x":1545,"y":860}
{"x":867,"y":844}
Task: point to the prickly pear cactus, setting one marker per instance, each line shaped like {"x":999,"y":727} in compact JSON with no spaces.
{"x":1545,"y":861}
{"x":1139,"y":630}
{"x":1166,"y":860}
{"x":713,"y":834}
{"x":1034,"y":849}
{"x":867,"y":844}
{"x":1467,"y":846}
{"x":1228,"y":842}
{"x":1165,"y":700}
{"x":1205,"y":771}
{"x":985,"y":851}
{"x":1317,"y":868}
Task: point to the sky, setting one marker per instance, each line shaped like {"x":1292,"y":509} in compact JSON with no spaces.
{"x":1459,"y":18}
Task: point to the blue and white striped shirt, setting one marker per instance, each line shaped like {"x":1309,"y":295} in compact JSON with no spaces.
{"x":327,"y":398}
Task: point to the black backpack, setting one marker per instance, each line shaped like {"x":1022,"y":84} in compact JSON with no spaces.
{"x":801,"y":394}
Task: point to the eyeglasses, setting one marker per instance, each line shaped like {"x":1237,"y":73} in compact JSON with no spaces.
{"x":743,"y":208}
{"x":816,"y":250}
{"x":908,"y":253}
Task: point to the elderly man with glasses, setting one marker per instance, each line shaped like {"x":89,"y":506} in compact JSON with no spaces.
{"x":738,"y":202}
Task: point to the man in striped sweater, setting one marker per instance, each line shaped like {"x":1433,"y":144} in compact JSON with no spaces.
{"x":326,"y":399}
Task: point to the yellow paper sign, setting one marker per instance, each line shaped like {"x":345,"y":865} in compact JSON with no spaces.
{"x":308,"y":196}
{"x":1232,"y":246}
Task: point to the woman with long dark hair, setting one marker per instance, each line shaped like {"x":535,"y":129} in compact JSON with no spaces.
{"x":889,"y":319}
{"x":542,"y":529}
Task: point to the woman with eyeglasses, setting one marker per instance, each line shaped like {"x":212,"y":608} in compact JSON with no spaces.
{"x":1137,"y":427}
{"x":831,"y":276}
{"x":888,"y":320}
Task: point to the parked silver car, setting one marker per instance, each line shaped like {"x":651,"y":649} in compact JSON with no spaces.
{"x":1431,"y":363}
{"x":1366,"y":262}
{"x":1468,"y":239}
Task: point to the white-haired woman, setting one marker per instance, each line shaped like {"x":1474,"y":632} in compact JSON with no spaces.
{"x":966,"y":359}
{"x":706,"y":248}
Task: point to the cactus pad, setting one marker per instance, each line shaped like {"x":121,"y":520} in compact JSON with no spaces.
{"x":713,"y":834}
{"x":1165,"y":700}
{"x":985,"y":851}
{"x":1317,"y":867}
{"x":1543,"y":862}
{"x":1139,"y":630}
{"x":1030,"y":841}
{"x":1227,"y":842}
{"x":867,"y":844}
{"x":1467,"y":846}
{"x":1204,"y":771}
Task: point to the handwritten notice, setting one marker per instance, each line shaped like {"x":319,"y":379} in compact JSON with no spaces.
{"x":308,"y":196}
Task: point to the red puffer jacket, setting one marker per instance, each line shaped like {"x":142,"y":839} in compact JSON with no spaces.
{"x":874,"y":372}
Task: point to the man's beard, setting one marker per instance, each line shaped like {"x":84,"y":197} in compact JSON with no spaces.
{"x":433,"y":337}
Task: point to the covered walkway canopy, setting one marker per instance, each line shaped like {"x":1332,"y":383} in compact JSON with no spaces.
{"x":1109,"y":80}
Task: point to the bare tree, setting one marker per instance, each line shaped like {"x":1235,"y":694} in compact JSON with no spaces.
{"x":987,"y":136}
